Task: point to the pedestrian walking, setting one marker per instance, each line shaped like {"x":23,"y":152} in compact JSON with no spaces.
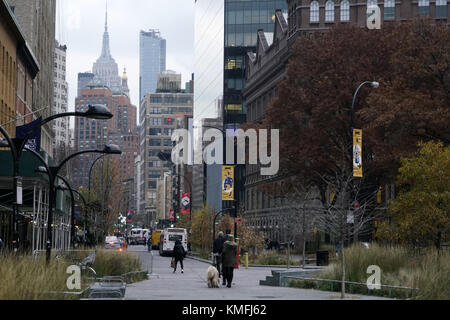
{"x":217,"y":251}
{"x":179,"y":253}
{"x":229,"y":253}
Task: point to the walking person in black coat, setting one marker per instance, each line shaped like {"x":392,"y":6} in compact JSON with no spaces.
{"x":217,"y":251}
{"x":229,"y":259}
{"x":179,"y":253}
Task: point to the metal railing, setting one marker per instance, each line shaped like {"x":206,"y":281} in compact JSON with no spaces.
{"x":284,"y":280}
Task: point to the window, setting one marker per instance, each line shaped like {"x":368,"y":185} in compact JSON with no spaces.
{"x":441,"y":9}
{"x":314,"y":12}
{"x":345,"y":10}
{"x":424,"y":7}
{"x":155,"y":142}
{"x":389,"y":9}
{"x":371,"y":3}
{"x":329,"y":11}
{"x":154,"y":174}
{"x":155,"y":131}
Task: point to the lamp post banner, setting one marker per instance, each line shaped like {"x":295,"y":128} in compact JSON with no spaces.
{"x":185,"y":201}
{"x":357,"y":153}
{"x":227,"y":183}
{"x":34,"y":143}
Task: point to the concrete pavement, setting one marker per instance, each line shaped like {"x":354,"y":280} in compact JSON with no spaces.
{"x":166,"y":285}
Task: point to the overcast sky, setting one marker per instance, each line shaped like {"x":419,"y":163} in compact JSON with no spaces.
{"x":80,"y":25}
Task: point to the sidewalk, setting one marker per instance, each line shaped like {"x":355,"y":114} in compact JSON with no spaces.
{"x":166,"y":285}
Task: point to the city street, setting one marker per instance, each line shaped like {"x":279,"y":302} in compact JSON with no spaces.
{"x":165,"y":285}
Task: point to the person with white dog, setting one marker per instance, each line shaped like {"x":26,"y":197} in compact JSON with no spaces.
{"x":229,"y":253}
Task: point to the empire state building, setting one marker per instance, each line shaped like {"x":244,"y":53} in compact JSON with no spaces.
{"x":105,"y":68}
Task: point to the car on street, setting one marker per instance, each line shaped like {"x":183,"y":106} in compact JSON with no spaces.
{"x":112,"y":243}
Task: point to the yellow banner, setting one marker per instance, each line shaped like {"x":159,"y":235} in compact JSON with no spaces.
{"x":227,"y":183}
{"x":357,"y":153}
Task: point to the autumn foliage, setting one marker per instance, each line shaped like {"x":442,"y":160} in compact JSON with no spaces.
{"x":411,"y":61}
{"x":421,"y":211}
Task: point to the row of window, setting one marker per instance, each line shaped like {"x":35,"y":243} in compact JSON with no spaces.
{"x":160,"y":121}
{"x":159,"y":131}
{"x":159,"y":143}
{"x":389,"y":9}
{"x":170,"y":100}
{"x":172,"y":110}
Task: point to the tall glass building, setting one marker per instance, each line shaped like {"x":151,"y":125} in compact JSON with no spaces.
{"x":224,"y":32}
{"x":152,"y":60}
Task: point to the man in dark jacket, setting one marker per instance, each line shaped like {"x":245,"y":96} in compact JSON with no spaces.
{"x":179,"y":253}
{"x":229,"y":253}
{"x":217,"y":251}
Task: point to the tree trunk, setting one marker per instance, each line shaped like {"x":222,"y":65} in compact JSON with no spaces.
{"x":304,"y":240}
{"x":343,"y":273}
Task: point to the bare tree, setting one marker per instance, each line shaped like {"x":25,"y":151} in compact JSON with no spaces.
{"x":339,"y":219}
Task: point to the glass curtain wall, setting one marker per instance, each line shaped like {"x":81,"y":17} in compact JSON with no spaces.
{"x":243,"y":19}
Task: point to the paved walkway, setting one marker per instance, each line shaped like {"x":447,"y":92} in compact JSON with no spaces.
{"x":166,"y":285}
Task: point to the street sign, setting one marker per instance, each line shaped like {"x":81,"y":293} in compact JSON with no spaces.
{"x":19,"y":190}
{"x":185,"y":201}
{"x":172,"y":215}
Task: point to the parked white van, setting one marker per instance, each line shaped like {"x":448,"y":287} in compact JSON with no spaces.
{"x":168,"y":238}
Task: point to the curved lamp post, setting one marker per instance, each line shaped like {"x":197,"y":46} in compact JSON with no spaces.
{"x":67,"y":187}
{"x":90,"y":171}
{"x":52,"y":174}
{"x":17,"y":145}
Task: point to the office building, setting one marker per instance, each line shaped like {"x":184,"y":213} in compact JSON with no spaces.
{"x":224,"y":32}
{"x":84,"y":78}
{"x":60,"y":97}
{"x":152,"y":60}
{"x":158,"y":115}
{"x":36,"y":20}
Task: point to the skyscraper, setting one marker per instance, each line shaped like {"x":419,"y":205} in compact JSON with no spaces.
{"x":37,"y":22}
{"x":60,"y":89}
{"x":158,"y":115}
{"x":224,"y":32}
{"x":152,"y":60}
{"x":105,"y":68}
{"x":105,"y":86}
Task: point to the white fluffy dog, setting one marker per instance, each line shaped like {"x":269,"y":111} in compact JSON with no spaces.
{"x":212,"y":277}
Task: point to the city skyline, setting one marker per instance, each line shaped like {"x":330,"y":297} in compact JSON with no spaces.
{"x":80,"y":26}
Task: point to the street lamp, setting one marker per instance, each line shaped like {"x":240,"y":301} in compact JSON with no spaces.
{"x":17,"y":145}
{"x":373,"y":84}
{"x":52,"y":174}
{"x":224,"y":135}
{"x":68,"y":188}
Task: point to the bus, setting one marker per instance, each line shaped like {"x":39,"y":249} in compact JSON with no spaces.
{"x":168,"y":238}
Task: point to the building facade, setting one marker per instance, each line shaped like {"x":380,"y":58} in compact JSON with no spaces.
{"x":84,"y":78}
{"x":152,"y":60}
{"x":94,"y":134}
{"x":37,"y":22}
{"x":60,"y":100}
{"x":224,"y":32}
{"x":307,"y":16}
{"x":159,"y":112}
